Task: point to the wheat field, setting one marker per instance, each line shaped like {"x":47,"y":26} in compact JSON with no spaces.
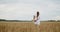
{"x":45,"y":26}
{"x":50,"y":26}
{"x":17,"y":27}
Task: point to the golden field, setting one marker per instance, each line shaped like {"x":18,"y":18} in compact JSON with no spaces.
{"x":45,"y":26}
{"x":17,"y":27}
{"x":50,"y":26}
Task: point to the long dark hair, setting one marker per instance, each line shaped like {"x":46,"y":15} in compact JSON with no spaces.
{"x":37,"y":13}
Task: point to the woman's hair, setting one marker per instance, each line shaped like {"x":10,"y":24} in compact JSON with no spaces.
{"x":37,"y":13}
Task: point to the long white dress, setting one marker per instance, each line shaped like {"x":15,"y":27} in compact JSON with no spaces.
{"x":37,"y":22}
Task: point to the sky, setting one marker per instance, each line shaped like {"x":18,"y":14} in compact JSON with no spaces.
{"x":25,"y":9}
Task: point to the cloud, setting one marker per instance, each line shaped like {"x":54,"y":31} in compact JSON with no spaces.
{"x":17,"y":11}
{"x":56,"y":18}
{"x":25,"y":9}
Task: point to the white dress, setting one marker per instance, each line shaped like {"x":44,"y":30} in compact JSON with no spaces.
{"x":37,"y":22}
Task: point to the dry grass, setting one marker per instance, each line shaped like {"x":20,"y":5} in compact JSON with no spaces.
{"x":17,"y":27}
{"x":50,"y":27}
{"x":29,"y":27}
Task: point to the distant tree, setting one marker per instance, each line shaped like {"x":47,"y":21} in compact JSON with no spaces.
{"x":51,"y":20}
{"x":2,"y":20}
{"x":58,"y":20}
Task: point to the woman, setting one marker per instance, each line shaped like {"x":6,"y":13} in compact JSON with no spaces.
{"x":36,"y":20}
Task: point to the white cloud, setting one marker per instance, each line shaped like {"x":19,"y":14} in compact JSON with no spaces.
{"x":19,"y":9}
{"x":56,"y":18}
{"x":13,"y":11}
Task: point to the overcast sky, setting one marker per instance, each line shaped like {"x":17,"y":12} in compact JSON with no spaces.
{"x":25,"y":9}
